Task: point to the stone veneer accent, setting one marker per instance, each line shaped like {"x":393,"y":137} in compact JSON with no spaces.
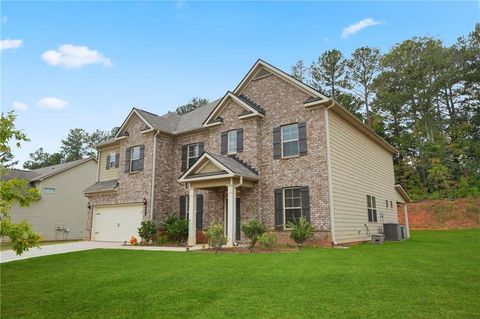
{"x":283,"y":104}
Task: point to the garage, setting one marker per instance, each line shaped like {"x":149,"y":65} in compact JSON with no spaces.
{"x":116,"y":223}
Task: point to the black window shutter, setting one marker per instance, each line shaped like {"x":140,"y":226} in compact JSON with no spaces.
{"x":199,"y":216}
{"x":305,"y":196}
{"x":201,"y":149}
{"x":223,"y":143}
{"x":184,"y":157}
{"x":277,"y":143}
{"x":108,"y":162}
{"x":278,"y":208}
{"x":240,"y":140}
{"x":127,"y":160}
{"x":117,"y":159}
{"x":142,"y":156}
{"x":182,"y":206}
{"x":302,"y":138}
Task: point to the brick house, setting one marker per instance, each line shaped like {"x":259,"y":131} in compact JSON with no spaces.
{"x":273,"y":149}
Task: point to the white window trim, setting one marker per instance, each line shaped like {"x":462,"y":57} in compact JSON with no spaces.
{"x":284,"y":208}
{"x":110,"y":163}
{"x":291,"y":140}
{"x":132,"y":159}
{"x":373,"y":208}
{"x":228,"y":142}
{"x":188,"y":153}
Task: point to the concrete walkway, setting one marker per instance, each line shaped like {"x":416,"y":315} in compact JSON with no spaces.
{"x":53,"y":249}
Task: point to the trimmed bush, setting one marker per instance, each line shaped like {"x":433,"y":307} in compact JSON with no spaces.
{"x":253,"y":229}
{"x":146,"y":231}
{"x":268,"y":239}
{"x":176,"y":229}
{"x":216,"y":237}
{"x":301,"y":231}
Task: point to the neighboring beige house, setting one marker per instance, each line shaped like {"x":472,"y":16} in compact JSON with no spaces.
{"x":273,"y":148}
{"x":60,"y":214}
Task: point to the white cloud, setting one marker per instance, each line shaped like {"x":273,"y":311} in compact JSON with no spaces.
{"x":52,"y":103}
{"x":19,"y":106}
{"x":360,"y":25}
{"x":71,"y":56}
{"x":10,"y":44}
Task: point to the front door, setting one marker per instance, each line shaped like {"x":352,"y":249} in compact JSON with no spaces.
{"x":237,"y":211}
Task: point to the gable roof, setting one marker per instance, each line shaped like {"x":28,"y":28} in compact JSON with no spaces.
{"x":251,"y":108}
{"x":260,"y":64}
{"x":40,"y":174}
{"x":228,"y":167}
{"x":403,"y":193}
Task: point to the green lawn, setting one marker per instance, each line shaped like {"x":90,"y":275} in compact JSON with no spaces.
{"x":434,"y":275}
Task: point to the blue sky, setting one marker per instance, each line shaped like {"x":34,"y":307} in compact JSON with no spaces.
{"x":157,"y":55}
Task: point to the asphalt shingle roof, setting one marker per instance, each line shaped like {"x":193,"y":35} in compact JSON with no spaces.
{"x":41,"y":173}
{"x":102,"y":186}
{"x":235,"y":165}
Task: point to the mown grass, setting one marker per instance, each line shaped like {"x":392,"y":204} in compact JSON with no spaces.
{"x":434,"y":275}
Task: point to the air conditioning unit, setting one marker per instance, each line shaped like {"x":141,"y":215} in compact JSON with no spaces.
{"x":403,"y":229}
{"x":393,"y":232}
{"x":378,"y":238}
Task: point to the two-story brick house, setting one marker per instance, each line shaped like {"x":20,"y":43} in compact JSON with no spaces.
{"x":273,"y":148}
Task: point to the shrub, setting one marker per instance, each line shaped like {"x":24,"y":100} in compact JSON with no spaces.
{"x":162,"y":239}
{"x":253,"y":229}
{"x":215,"y":235}
{"x":146,"y":231}
{"x":176,"y":229}
{"x":301,"y":231}
{"x":268,"y":239}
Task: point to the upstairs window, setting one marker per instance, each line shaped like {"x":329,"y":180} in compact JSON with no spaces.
{"x":193,"y":153}
{"x":112,"y":160}
{"x":49,"y":190}
{"x":372,"y":209}
{"x":232,"y":142}
{"x":290,"y":140}
{"x":135,"y":159}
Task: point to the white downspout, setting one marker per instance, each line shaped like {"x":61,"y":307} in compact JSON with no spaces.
{"x":329,"y":173}
{"x":152,"y":191}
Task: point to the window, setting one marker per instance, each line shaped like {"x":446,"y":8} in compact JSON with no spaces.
{"x":391,"y":204}
{"x":386,"y":203}
{"x":49,"y":190}
{"x":135,"y":159}
{"x":187,"y":203}
{"x":290,"y":140}
{"x":232,"y":142}
{"x":292,"y":204}
{"x":372,"y":209}
{"x":112,"y":160}
{"x":192,"y":154}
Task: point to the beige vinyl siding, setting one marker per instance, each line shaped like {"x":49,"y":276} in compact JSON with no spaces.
{"x":359,"y":167}
{"x":107,"y":174}
{"x":67,"y":207}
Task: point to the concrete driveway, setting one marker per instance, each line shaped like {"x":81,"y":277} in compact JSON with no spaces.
{"x":53,"y":249}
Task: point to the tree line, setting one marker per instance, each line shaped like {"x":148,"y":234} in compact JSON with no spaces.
{"x":423,"y":97}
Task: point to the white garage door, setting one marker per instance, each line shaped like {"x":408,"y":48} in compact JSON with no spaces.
{"x":116,"y":223}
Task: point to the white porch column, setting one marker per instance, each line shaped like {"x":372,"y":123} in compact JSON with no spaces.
{"x":192,"y":214}
{"x":405,"y":215}
{"x":231,"y":214}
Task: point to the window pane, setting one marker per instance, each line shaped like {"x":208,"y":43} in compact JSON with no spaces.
{"x":374,"y":204}
{"x":288,"y":192}
{"x":290,"y":132}
{"x":288,"y":202}
{"x":292,"y":215}
{"x":374,"y":213}
{"x":369,"y":201}
{"x":135,"y":152}
{"x":370,"y":218}
{"x":49,"y":190}
{"x":193,"y":150}
{"x":290,"y":148}
{"x":232,"y":141}
{"x":296,"y":192}
{"x":297,"y":202}
{"x":191,"y":161}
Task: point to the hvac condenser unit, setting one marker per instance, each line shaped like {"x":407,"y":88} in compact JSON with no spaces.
{"x":393,"y":231}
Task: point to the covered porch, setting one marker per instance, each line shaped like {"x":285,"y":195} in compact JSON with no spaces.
{"x":227,"y":176}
